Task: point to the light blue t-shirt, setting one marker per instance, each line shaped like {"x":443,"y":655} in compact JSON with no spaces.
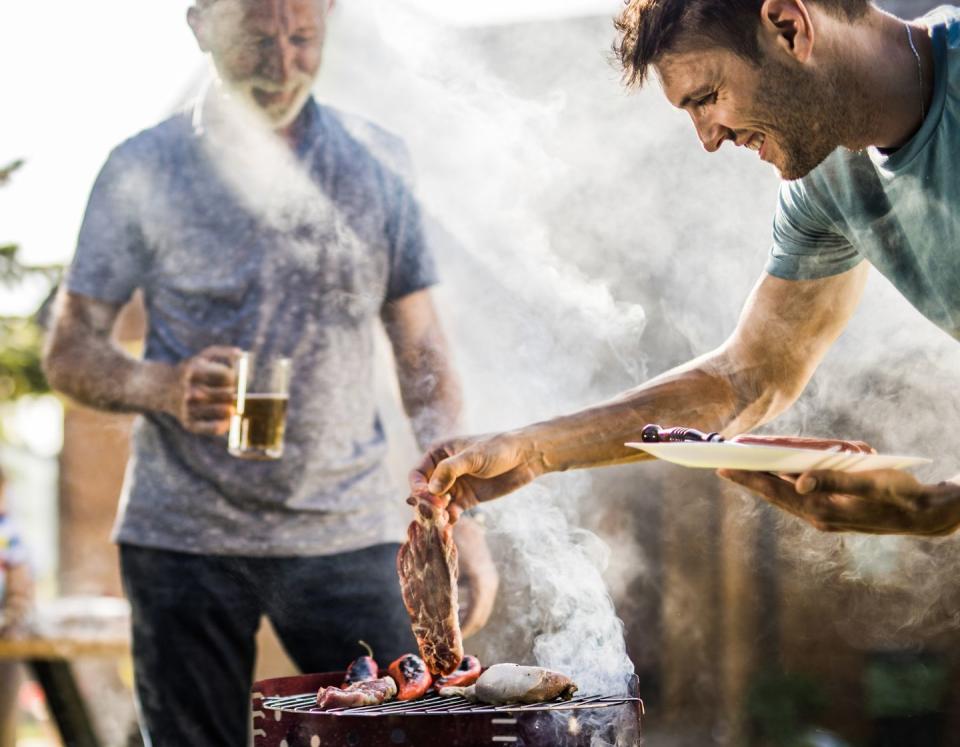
{"x":899,"y":211}
{"x":235,"y":239}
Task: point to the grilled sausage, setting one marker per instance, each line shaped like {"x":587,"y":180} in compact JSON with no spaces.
{"x":805,"y":442}
{"x":512,"y":683}
{"x":466,"y":674}
{"x":411,"y":675}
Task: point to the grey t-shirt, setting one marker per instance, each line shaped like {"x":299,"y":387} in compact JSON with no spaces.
{"x":237,"y":239}
{"x":900,"y":211}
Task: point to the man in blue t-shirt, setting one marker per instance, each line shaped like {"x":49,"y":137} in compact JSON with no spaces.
{"x":860,"y":113}
{"x":258,"y":220}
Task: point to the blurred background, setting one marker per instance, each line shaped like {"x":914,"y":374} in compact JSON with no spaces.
{"x":586,"y":241}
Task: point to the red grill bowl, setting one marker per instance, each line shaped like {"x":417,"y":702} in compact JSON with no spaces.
{"x":285,"y":715}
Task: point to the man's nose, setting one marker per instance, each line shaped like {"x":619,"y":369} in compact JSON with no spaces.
{"x":711,"y":133}
{"x":279,"y":61}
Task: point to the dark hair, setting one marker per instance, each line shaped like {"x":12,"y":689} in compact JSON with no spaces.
{"x":650,"y":28}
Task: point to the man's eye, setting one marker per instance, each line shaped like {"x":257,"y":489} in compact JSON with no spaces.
{"x":301,"y":40}
{"x":710,"y":98}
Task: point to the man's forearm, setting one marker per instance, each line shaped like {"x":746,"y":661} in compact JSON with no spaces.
{"x":104,"y":377}
{"x":710,"y":393}
{"x":432,"y":399}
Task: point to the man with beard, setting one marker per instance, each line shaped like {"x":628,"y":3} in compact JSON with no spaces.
{"x":259,"y":221}
{"x":861,"y":110}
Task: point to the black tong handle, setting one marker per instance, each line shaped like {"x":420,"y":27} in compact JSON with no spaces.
{"x":653,"y":434}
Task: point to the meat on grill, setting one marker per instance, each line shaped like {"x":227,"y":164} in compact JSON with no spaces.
{"x":411,"y":675}
{"x":427,"y":565}
{"x":368,"y":692}
{"x":512,"y":683}
{"x":465,"y":674}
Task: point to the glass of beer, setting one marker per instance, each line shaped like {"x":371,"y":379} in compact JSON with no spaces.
{"x":260,"y":411}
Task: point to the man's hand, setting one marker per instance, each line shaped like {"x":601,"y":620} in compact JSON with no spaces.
{"x":878,"y":502}
{"x":204,"y":391}
{"x":478,"y":576}
{"x":469,"y":471}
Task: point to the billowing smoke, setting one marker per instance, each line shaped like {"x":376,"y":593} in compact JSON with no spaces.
{"x":586,"y":242}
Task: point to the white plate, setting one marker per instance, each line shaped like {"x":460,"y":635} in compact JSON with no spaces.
{"x":760,"y":458}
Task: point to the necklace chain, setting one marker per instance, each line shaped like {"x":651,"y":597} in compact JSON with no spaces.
{"x":916,"y":56}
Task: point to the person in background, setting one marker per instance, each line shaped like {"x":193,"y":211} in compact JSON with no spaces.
{"x":258,"y":220}
{"x":860,"y":113}
{"x":16,"y":604}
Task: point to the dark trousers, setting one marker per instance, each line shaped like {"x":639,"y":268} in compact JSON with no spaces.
{"x":194,"y":618}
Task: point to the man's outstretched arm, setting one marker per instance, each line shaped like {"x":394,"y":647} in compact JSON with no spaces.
{"x":783,"y":333}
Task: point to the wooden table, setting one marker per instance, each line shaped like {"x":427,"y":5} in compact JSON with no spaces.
{"x":49,"y":660}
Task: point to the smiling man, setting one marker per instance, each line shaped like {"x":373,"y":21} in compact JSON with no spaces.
{"x":860,"y":112}
{"x":258,"y":220}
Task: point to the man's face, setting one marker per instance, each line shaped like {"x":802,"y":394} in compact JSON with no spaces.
{"x":266,"y":51}
{"x":775,"y":110}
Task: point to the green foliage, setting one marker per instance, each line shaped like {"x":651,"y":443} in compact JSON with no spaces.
{"x":21,"y":337}
{"x":782,"y":706}
{"x":901,"y":684}
{"x":20,"y":371}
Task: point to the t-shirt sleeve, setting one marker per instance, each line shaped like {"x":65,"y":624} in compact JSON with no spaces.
{"x":111,"y":259}
{"x":412,"y":265}
{"x":806,"y":243}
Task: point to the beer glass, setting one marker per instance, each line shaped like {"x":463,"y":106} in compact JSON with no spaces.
{"x":260,"y":411}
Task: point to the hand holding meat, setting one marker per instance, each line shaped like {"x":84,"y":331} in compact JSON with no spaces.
{"x":427,"y":566}
{"x":468,"y":471}
{"x":502,"y":684}
{"x":203,"y":393}
{"x":878,"y":502}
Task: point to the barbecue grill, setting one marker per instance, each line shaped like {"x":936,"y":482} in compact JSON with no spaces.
{"x":285,"y":714}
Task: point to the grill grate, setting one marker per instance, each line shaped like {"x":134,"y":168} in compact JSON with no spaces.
{"x":434,"y":705}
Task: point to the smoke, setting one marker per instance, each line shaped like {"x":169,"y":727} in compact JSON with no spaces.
{"x":586,"y":242}
{"x":532,"y":330}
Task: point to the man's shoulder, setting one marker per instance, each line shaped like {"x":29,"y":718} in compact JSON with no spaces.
{"x":363,"y":135}
{"x":156,"y":140}
{"x":947,"y":16}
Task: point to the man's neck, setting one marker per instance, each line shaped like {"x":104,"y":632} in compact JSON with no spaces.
{"x":886,"y":74}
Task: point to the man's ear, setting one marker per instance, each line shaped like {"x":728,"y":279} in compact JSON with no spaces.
{"x":785,"y":25}
{"x":198,"y":24}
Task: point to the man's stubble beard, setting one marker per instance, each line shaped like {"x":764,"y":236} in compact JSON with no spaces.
{"x":809,"y":115}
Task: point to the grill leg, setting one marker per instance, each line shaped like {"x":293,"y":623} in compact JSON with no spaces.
{"x":65,"y":703}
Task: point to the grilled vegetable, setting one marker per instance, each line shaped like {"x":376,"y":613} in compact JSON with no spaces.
{"x":362,"y":669}
{"x":512,"y":683}
{"x":411,"y":675}
{"x":463,"y":675}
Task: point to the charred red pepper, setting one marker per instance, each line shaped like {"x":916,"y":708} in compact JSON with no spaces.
{"x":362,"y":669}
{"x":465,"y":674}
{"x":411,"y":675}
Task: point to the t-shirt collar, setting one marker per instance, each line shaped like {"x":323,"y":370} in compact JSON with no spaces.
{"x":903,"y":155}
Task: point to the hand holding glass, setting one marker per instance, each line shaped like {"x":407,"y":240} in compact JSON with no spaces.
{"x":260,"y":411}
